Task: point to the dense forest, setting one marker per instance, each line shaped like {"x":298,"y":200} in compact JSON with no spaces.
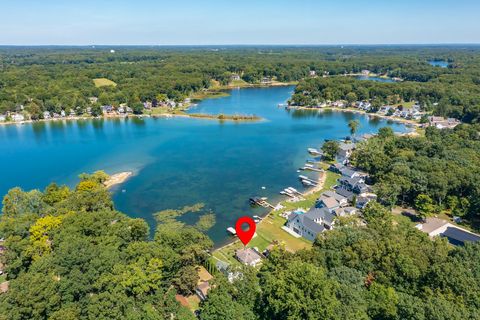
{"x":61,"y":78}
{"x":70,"y":255}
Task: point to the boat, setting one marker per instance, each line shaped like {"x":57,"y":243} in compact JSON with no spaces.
{"x":257,"y":217}
{"x":308,"y":165}
{"x":293,"y":189}
{"x":307,"y":183}
{"x":232,"y":231}
{"x":314,"y":151}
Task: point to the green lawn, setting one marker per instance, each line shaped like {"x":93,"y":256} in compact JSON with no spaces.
{"x":103,"y":82}
{"x":3,"y":278}
{"x":270,"y":228}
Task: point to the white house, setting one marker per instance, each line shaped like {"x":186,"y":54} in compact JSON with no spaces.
{"x":311,"y":223}
{"x":17,"y":117}
{"x":3,"y":117}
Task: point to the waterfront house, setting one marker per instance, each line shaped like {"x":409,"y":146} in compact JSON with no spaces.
{"x":93,"y":100}
{"x":349,"y":172}
{"x":312,"y":73}
{"x":455,"y":235}
{"x":311,"y":223}
{"x":248,"y":257}
{"x":336,"y":167}
{"x":147,"y":105}
{"x":340,"y":199}
{"x":72,"y":113}
{"x":266,"y":80}
{"x":107,"y":109}
{"x":350,"y":183}
{"x":128,"y":109}
{"x":345,"y":150}
{"x":3,"y":117}
{"x":330,"y":203}
{"x":18,"y":117}
{"x":62,"y":114}
{"x":46,"y":115}
{"x":345,"y":193}
{"x":235,"y":77}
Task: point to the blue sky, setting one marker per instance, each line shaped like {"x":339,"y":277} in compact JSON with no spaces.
{"x":150,"y":22}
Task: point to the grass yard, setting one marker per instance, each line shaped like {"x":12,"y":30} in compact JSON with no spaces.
{"x":270,"y":228}
{"x":103,"y":82}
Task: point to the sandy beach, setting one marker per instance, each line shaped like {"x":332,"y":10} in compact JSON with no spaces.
{"x":117,"y":178}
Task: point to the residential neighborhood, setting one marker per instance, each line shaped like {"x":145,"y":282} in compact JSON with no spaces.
{"x":22,"y":115}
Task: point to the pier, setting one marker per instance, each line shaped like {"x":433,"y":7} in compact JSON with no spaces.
{"x":261,"y":202}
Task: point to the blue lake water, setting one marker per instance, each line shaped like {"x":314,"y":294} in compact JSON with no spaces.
{"x":180,"y":161}
{"x":377,"y":79}
{"x":441,"y":64}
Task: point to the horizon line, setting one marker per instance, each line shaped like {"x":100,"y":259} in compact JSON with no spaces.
{"x":245,"y":45}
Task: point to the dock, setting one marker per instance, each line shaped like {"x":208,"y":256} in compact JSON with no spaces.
{"x":311,"y":168}
{"x":307,"y":179}
{"x":261,"y":202}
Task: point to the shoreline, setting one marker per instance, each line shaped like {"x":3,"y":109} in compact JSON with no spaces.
{"x":319,"y":187}
{"x":227,"y":117}
{"x":117,"y":178}
{"x":168,"y":115}
{"x":371,"y":115}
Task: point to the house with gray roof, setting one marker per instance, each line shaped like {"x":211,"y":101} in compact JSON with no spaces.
{"x":349,"y":172}
{"x":329,"y":203}
{"x":311,"y":223}
{"x":351,"y":183}
{"x":248,"y":257}
{"x":349,"y":195}
{"x":345,"y":212}
{"x":454,"y":234}
{"x":340,"y":198}
{"x":344,"y":152}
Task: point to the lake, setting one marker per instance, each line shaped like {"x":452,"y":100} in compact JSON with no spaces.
{"x":377,"y":79}
{"x":439,"y":63}
{"x":181,"y":161}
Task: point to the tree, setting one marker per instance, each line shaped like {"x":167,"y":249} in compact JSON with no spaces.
{"x":353,"y":125}
{"x":425,"y":206}
{"x":96,"y":110}
{"x":137,"y":108}
{"x":351,"y":97}
{"x":186,"y":280}
{"x":330,"y":149}
{"x":377,"y":215}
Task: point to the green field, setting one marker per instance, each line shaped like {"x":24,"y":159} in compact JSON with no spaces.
{"x":103,"y":82}
{"x":270,"y":228}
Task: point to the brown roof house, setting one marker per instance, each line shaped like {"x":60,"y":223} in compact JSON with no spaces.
{"x":248,"y":256}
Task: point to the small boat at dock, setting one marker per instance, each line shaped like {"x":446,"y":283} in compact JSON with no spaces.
{"x":232,"y":231}
{"x":314,"y":151}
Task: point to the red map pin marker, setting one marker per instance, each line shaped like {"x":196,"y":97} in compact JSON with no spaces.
{"x":245,"y":236}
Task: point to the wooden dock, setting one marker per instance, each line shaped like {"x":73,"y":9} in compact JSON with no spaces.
{"x":261,"y":202}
